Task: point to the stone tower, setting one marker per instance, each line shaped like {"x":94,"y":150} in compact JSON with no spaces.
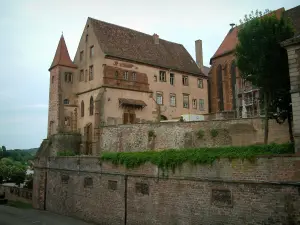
{"x":61,"y":79}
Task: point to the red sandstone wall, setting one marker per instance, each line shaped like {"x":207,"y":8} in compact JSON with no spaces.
{"x":226,"y":192}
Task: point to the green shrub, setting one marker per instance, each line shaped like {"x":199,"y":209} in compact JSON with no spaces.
{"x":200,"y":134}
{"x":214,"y":133}
{"x":174,"y":158}
{"x":66,"y":153}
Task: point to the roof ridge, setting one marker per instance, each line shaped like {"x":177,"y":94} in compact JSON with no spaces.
{"x":97,"y":20}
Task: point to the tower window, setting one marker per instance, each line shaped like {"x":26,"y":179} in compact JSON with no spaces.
{"x":66,"y":101}
{"x":68,"y":77}
{"x":52,"y":79}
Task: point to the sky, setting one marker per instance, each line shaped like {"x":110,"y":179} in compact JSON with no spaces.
{"x":30,"y":31}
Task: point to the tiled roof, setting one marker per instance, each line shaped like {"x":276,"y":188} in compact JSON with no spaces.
{"x":128,"y":44}
{"x":294,"y":15}
{"x":62,"y":57}
{"x":231,"y":39}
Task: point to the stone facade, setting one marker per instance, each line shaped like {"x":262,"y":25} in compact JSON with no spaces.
{"x":226,"y":192}
{"x":237,"y":132}
{"x":293,"y":50}
{"x":16,"y":193}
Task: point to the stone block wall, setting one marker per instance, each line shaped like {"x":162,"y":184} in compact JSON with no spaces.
{"x":226,"y":192}
{"x":293,"y":50}
{"x":238,"y":132}
{"x":16,"y":193}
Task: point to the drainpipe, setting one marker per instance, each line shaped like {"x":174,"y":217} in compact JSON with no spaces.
{"x":125,"y":199}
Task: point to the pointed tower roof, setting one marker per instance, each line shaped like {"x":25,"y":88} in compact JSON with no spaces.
{"x":62,"y":57}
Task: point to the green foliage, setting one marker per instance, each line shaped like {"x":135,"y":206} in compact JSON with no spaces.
{"x":12,"y":171}
{"x":200,"y":134}
{"x":262,"y":61}
{"x":214,"y":133}
{"x":151,"y":133}
{"x":175,"y":158}
{"x":66,"y":153}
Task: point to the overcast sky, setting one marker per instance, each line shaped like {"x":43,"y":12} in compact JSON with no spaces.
{"x":30,"y":31}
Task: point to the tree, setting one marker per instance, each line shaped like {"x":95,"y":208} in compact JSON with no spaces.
{"x":263,"y":62}
{"x":11,"y":171}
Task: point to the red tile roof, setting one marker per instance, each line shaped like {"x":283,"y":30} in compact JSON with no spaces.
{"x":62,"y":57}
{"x":231,"y":39}
{"x":128,"y":44}
{"x":294,"y":15}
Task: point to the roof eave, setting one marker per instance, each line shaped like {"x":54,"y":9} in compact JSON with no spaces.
{"x":131,"y":60}
{"x":73,"y":66}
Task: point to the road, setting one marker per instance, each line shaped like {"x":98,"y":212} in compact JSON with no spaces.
{"x":16,"y":216}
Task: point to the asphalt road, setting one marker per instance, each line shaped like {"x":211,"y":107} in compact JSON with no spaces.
{"x":16,"y":216}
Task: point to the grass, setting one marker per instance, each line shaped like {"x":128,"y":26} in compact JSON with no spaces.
{"x":20,"y":205}
{"x":173,"y":158}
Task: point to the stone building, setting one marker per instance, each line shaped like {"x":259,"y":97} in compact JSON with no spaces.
{"x":229,"y":94}
{"x":121,"y":76}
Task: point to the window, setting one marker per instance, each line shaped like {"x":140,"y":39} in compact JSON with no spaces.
{"x":87,"y":38}
{"x":65,"y":179}
{"x":185,"y":80}
{"x":129,"y":118}
{"x":201,"y":104}
{"x":162,"y":76}
{"x":91,"y":106}
{"x":82,"y":109}
{"x":186,"y":101}
{"x":155,"y":78}
{"x":133,"y":76}
{"x":112,"y":184}
{"x":81,"y":55}
{"x":200,"y":83}
{"x":125,"y":76}
{"x":116,"y":74}
{"x":91,"y":73}
{"x":194,"y":103}
{"x":172,"y":78}
{"x":142,"y":188}
{"x":159,"y":98}
{"x":172,"y":100}
{"x":68,"y":77}
{"x":66,"y":101}
{"x":91,"y":51}
{"x":81,"y":75}
{"x":86,"y":75}
{"x":88,"y":182}
{"x":52,"y":79}
{"x":67,"y":121}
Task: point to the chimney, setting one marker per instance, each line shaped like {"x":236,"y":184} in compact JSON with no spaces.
{"x":199,"y":53}
{"x":156,"y":39}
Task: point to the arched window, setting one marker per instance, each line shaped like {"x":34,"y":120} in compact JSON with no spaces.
{"x":233,"y":83}
{"x":162,"y":117}
{"x":66,"y":101}
{"x":220,"y":88}
{"x":91,"y":106}
{"x":82,"y":109}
